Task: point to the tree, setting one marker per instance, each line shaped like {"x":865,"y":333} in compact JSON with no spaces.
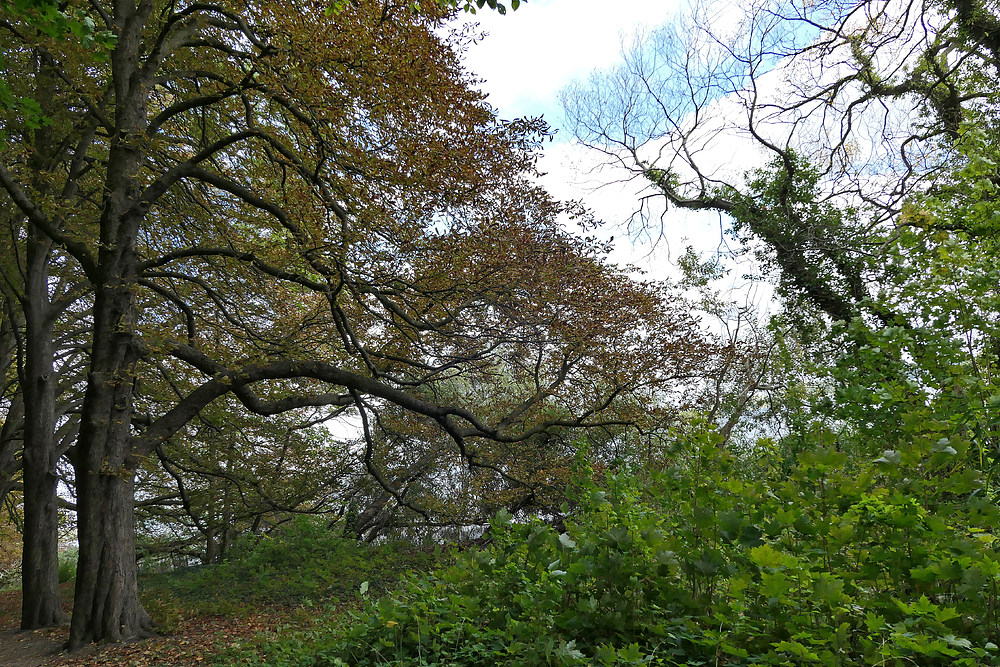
{"x":37,"y":292}
{"x":230,"y":472}
{"x":10,"y":397}
{"x":56,"y":20}
{"x":852,"y":106}
{"x":306,"y":209}
{"x":874,"y":131}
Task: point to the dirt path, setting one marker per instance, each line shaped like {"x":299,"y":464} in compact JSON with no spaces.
{"x":37,"y":648}
{"x":196,"y":639}
{"x":31,"y":649}
{"x":26,"y":649}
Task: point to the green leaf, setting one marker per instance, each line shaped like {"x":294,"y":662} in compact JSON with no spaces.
{"x":631,"y":653}
{"x":569,"y":650}
{"x":942,"y":446}
{"x":828,"y":588}
{"x":502,"y":519}
{"x":606,"y":654}
{"x":567,"y":541}
{"x":766,"y":556}
{"x":889,"y":457}
{"x":960,"y":642}
{"x":874,"y":622}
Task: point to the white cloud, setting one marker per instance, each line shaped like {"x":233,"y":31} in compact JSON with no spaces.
{"x":615,"y":194}
{"x":532,"y":53}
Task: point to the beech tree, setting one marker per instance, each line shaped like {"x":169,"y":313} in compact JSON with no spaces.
{"x":43,"y":355}
{"x":304,"y":207}
{"x":229,"y":472}
{"x":596,"y":342}
{"x":11,"y":399}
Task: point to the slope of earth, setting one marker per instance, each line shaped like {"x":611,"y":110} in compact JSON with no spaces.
{"x":27,"y":649}
{"x":192,"y":641}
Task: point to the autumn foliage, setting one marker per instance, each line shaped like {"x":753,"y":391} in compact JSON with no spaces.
{"x":306,"y":213}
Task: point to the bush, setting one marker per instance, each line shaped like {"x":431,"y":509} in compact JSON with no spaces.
{"x":10,"y":577}
{"x":895,"y":565}
{"x":67,"y":565}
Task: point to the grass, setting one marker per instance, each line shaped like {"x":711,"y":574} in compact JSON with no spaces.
{"x":282,"y":584}
{"x":278,"y":586}
{"x":302,"y":565}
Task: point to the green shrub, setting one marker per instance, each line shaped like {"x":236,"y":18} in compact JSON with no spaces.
{"x":67,"y":565}
{"x":165,"y":610}
{"x":697,"y":565}
{"x":10,"y":577}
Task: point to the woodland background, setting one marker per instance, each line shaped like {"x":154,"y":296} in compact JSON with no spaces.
{"x":286,"y":317}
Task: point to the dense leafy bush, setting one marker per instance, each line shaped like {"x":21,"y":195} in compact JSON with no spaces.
{"x":697,"y":565}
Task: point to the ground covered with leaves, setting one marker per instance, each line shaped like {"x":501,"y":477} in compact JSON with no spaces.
{"x":270,"y":588}
{"x":192,"y":639}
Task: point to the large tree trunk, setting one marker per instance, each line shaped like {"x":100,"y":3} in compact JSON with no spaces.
{"x":106,"y":605}
{"x":39,"y":383}
{"x":41,"y":601}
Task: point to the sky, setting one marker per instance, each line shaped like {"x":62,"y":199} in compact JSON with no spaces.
{"x":528,"y":56}
{"x":532,"y":53}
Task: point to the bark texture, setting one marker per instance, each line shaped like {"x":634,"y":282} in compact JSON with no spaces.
{"x":41,"y":600}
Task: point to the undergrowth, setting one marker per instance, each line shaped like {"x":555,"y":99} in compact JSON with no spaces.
{"x":302,"y":564}
{"x":700,"y":565}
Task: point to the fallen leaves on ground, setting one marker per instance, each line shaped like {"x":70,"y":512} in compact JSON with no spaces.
{"x":192,"y":644}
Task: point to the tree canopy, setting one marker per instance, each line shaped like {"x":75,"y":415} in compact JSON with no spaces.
{"x":284,"y":259}
{"x":302,"y":209}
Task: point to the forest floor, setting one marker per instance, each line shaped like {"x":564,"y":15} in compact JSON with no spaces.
{"x":303,"y":579}
{"x":193,"y":640}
